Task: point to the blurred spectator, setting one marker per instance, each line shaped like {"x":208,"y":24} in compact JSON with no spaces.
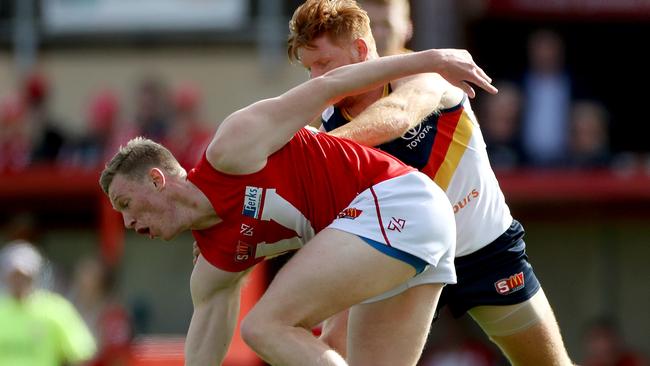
{"x":152,"y":109}
{"x":456,"y":347}
{"x":589,"y":139}
{"x":39,"y":328}
{"x":106,"y":131}
{"x":390,"y":23}
{"x":547,"y":99}
{"x":93,"y":293}
{"x":15,"y":139}
{"x":605,"y":346}
{"x":47,"y":140}
{"x":187,"y":136}
{"x":500,"y":124}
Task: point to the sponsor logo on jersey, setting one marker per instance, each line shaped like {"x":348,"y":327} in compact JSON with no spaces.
{"x":511,"y":284}
{"x":461,"y":204}
{"x":349,"y":213}
{"x":242,"y":252}
{"x":396,"y":224}
{"x":416,"y":135}
{"x":252,"y":201}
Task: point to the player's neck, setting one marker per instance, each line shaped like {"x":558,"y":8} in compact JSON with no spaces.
{"x":199,"y":208}
{"x":358,"y":103}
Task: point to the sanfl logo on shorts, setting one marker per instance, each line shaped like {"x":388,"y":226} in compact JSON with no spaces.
{"x":511,"y":284}
{"x":350,"y":213}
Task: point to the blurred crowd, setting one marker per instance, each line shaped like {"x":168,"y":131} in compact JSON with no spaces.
{"x":87,"y":323}
{"x":536,"y":122}
{"x":30,"y":135}
{"x":533,"y":122}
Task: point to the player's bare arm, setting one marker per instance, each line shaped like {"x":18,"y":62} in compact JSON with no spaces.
{"x":215,"y":296}
{"x":247,"y":137}
{"x":413,"y":99}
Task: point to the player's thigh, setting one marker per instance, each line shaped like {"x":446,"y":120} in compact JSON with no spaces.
{"x":527,"y":333}
{"x":332,"y":272}
{"x":392,"y":331}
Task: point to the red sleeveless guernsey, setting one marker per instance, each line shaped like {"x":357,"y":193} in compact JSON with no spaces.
{"x":298,"y":193}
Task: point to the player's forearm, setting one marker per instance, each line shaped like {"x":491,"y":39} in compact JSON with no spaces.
{"x":412,"y":100}
{"x":211,"y":329}
{"x":361,"y":77}
{"x":376,"y":125}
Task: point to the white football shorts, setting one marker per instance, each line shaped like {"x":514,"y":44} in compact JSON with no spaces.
{"x":409,"y":213}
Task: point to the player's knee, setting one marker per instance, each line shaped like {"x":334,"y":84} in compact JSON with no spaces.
{"x":253,"y":331}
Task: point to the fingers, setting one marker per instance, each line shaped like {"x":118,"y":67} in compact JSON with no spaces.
{"x":463,"y":72}
{"x":485,"y":85}
{"x":467,"y":89}
{"x":485,"y":82}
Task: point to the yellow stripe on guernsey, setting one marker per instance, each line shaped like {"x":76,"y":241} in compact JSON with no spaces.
{"x":459,"y":144}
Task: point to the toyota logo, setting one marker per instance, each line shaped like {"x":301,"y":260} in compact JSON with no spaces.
{"x":412,"y":133}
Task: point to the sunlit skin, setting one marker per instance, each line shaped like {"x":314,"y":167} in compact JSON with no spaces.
{"x":161,"y":206}
{"x":324,"y":55}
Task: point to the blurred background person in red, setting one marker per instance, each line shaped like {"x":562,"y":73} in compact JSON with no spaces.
{"x":15,"y":139}
{"x":47,"y":137}
{"x":604,"y":345}
{"x":457,"y":345}
{"x":105,"y":131}
{"x":187,"y":135}
{"x":93,"y":293}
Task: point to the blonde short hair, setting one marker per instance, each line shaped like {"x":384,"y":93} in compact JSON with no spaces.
{"x":136,"y":158}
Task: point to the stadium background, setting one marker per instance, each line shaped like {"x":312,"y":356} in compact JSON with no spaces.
{"x":587,"y":230}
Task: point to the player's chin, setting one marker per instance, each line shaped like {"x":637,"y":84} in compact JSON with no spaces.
{"x":168,"y":236}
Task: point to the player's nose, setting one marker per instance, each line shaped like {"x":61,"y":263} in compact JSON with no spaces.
{"x":129,"y":222}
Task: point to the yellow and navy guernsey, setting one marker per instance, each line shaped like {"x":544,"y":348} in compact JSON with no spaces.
{"x":448,"y":147}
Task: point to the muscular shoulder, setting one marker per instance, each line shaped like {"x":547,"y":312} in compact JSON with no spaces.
{"x":227,"y":155}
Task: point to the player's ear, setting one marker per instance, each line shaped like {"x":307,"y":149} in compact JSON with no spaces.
{"x":360,"y":49}
{"x":157,"y":178}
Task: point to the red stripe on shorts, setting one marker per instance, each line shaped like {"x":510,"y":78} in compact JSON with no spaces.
{"x":381,"y":224}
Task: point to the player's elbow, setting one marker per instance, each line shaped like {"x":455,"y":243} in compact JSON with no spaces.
{"x":330,"y":86}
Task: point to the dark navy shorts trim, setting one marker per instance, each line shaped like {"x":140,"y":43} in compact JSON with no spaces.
{"x":418,"y":263}
{"x":481,"y":275}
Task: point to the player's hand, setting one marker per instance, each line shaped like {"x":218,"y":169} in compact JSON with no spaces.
{"x":195,"y":252}
{"x":459,"y":69}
